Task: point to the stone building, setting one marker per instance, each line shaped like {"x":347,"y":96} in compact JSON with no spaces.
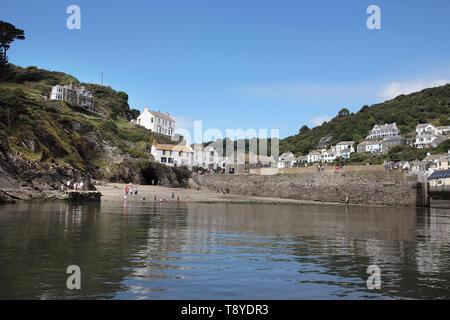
{"x":73,"y":94}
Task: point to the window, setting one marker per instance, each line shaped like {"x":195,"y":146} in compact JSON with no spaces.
{"x":180,"y":153}
{"x":163,"y":159}
{"x":164,"y":152}
{"x":151,"y":120}
{"x":170,"y":160}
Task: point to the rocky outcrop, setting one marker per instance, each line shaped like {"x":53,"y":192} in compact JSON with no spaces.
{"x":22,"y":179}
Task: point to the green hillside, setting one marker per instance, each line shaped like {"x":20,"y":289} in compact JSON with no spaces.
{"x":68,"y":135}
{"x":429,"y":105}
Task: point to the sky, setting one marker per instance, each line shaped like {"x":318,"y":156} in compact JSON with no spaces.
{"x":250,"y":64}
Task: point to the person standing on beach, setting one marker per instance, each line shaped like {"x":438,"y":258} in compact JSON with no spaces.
{"x":126,"y":191}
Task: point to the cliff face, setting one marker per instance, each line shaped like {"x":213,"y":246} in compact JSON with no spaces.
{"x":45,"y":143}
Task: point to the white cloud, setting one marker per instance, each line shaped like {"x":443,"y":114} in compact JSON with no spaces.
{"x":394,"y":89}
{"x":317,"y":121}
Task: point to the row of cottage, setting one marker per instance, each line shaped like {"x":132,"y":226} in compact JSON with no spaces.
{"x":380,"y":139}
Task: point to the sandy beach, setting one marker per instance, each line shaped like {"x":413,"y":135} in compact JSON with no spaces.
{"x":116,"y":192}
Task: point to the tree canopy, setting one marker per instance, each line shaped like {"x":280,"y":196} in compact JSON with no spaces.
{"x":8,"y":33}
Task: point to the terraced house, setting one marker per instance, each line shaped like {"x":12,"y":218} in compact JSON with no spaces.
{"x":173,"y":155}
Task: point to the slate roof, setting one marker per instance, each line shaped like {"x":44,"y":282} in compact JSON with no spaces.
{"x":440,"y":174}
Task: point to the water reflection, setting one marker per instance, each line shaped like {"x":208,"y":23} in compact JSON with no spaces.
{"x":138,"y":250}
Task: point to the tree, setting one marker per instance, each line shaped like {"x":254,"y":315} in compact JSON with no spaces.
{"x":8,"y":33}
{"x":135,"y":113}
{"x":303,"y":129}
{"x":344,"y":112}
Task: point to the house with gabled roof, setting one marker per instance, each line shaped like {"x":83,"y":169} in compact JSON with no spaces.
{"x":157,"y":122}
{"x":172,"y":155}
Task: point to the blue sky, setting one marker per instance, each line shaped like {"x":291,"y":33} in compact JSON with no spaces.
{"x":241,"y":64}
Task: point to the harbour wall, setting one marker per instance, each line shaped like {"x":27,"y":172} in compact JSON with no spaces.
{"x":364,"y":187}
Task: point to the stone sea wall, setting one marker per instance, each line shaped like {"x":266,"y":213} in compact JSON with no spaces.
{"x":365,"y":187}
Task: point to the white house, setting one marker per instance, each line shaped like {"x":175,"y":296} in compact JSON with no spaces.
{"x":173,"y":155}
{"x":73,"y":94}
{"x":385,"y":130}
{"x":345,"y":145}
{"x":286,"y":160}
{"x":329,"y":156}
{"x":157,"y":122}
{"x":207,"y":157}
{"x":428,"y":136}
{"x":314,"y":156}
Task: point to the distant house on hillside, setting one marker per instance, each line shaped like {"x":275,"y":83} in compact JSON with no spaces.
{"x":300,"y":161}
{"x":369,"y":146}
{"x":345,"y":145}
{"x":428,"y":136}
{"x":385,"y":130}
{"x":157,"y":122}
{"x":390,"y":142}
{"x":314,"y":156}
{"x":73,"y":94}
{"x":324,"y":142}
{"x":286,"y":160}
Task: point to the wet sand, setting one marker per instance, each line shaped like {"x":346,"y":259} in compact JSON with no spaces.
{"x":116,"y":192}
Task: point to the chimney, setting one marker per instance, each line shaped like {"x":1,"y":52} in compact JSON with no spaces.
{"x":167,"y":114}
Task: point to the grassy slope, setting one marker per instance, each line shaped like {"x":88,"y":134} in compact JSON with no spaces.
{"x":48,"y":124}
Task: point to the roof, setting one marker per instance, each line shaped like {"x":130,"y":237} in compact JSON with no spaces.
{"x":287,"y":155}
{"x":386,"y":126}
{"x":423,"y":125}
{"x":314,"y":152}
{"x":367,"y":142}
{"x":172,"y":147}
{"x":326,"y":139}
{"x":420,"y":163}
{"x":440,"y":174}
{"x":345,"y":142}
{"x":160,"y":115}
{"x":435,"y":156}
{"x":345,"y":150}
